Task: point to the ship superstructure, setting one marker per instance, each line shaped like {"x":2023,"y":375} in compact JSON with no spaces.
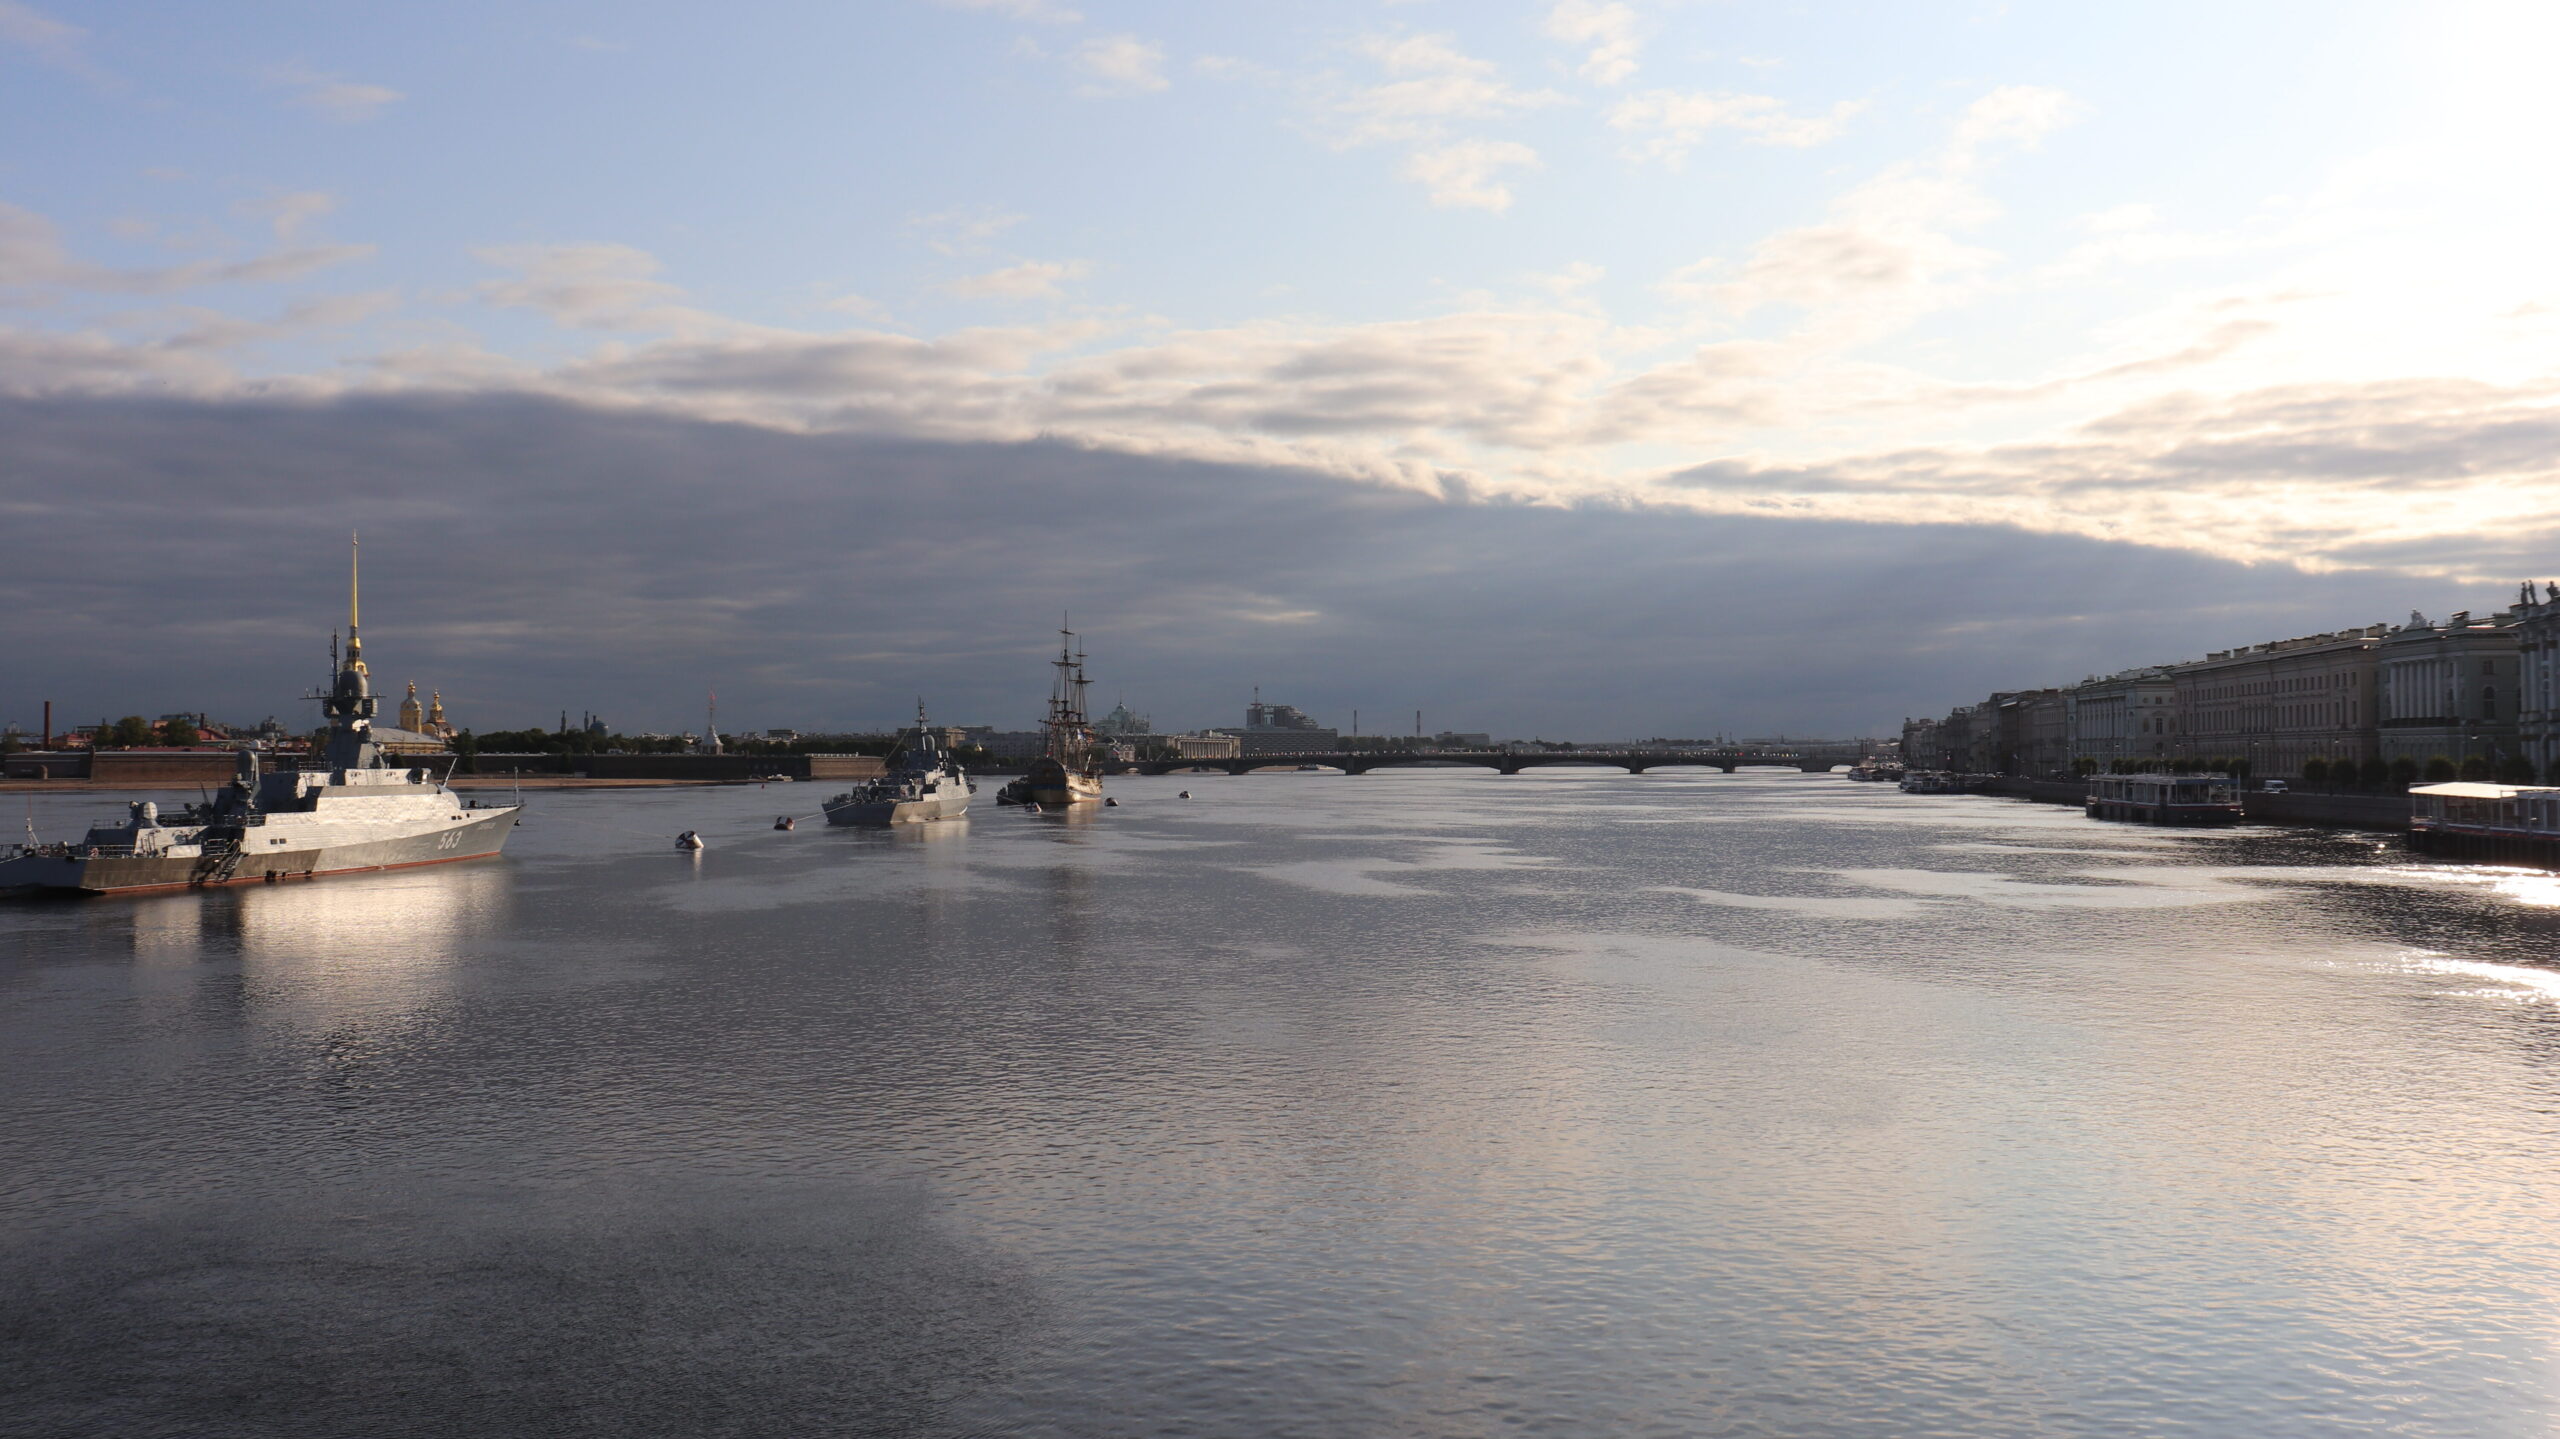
{"x":347,"y":810}
{"x":921,"y":785}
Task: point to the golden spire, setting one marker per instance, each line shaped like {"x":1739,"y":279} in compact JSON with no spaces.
{"x":355,"y":646}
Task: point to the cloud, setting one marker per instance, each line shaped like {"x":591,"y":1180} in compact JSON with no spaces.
{"x":534,"y":544}
{"x":1671,"y":123}
{"x":1608,"y":28}
{"x":1032,"y":279}
{"x":1767,"y":390}
{"x":345,"y":101}
{"x":1571,"y":281}
{"x":964,"y":231}
{"x":1041,"y":11}
{"x":288,"y":213}
{"x":1432,"y":87}
{"x":1888,"y":249}
{"x":2309,"y":473}
{"x":55,"y":42}
{"x":1462,"y":175}
{"x":34,"y":266}
{"x":1119,"y":65}
{"x":2015,"y":115}
{"x":1433,"y":84}
{"x":589,"y":287}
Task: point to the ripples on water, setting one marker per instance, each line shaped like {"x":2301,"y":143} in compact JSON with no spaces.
{"x":1412,"y":1103}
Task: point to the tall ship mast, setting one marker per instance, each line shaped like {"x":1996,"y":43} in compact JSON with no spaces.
{"x":348,"y":809}
{"x":1069,"y":768}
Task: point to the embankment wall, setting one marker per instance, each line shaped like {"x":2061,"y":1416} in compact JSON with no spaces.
{"x":2341,"y":811}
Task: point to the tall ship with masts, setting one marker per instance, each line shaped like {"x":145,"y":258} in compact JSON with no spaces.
{"x":349,"y":809}
{"x":1069,"y":767}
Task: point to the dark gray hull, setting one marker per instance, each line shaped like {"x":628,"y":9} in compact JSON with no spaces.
{"x":482,"y":838}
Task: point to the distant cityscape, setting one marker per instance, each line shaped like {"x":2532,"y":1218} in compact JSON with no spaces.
{"x":2465,"y":697}
{"x":423,"y":727}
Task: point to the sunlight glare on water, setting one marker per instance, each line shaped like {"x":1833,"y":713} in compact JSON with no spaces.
{"x":1433,"y":1102}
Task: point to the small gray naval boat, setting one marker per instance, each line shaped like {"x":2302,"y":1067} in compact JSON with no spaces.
{"x":922,"y":784}
{"x":353,"y":811}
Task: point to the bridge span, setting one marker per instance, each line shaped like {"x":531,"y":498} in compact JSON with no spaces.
{"x":1811,"y":760}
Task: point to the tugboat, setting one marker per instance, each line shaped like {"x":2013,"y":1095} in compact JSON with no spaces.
{"x":922,"y":785}
{"x":1069,"y":769}
{"x":351,"y":812}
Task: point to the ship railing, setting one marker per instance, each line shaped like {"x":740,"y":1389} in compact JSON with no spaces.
{"x":65,"y":849}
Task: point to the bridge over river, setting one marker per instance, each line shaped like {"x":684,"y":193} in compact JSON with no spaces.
{"x":1811,"y":758}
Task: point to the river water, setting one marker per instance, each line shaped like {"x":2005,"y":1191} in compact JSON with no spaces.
{"x":1420,"y":1103}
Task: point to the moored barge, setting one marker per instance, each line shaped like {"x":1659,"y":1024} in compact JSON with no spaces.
{"x":2493,"y":823}
{"x":2163,"y":798}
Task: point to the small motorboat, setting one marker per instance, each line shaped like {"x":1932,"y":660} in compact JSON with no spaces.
{"x":1186,"y":794}
{"x":786,"y":822}
{"x":1033,"y":807}
{"x":1110,"y":803}
{"x":689,"y":842}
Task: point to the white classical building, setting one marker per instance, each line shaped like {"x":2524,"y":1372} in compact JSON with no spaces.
{"x":1212,"y":744}
{"x":2450,"y":690}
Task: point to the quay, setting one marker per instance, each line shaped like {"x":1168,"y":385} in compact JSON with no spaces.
{"x":2388,"y":812}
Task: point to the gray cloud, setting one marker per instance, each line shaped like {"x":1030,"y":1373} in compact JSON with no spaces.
{"x":527,"y":556}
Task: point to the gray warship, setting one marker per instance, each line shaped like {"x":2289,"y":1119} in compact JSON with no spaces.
{"x":922,"y":784}
{"x":348,"y":812}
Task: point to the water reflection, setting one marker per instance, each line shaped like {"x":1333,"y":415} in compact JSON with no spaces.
{"x":1399,"y":1104}
{"x":362,"y":949}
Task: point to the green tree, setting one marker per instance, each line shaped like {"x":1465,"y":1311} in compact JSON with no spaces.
{"x":9,"y":743}
{"x":2315,"y":770}
{"x":2515,"y":769}
{"x":2439,"y":768}
{"x":2375,"y":772}
{"x":2476,"y":768}
{"x":127,"y":733}
{"x":2404,"y":771}
{"x":177,"y":733}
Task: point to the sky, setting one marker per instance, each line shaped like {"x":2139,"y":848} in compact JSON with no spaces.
{"x":1573,"y":368}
